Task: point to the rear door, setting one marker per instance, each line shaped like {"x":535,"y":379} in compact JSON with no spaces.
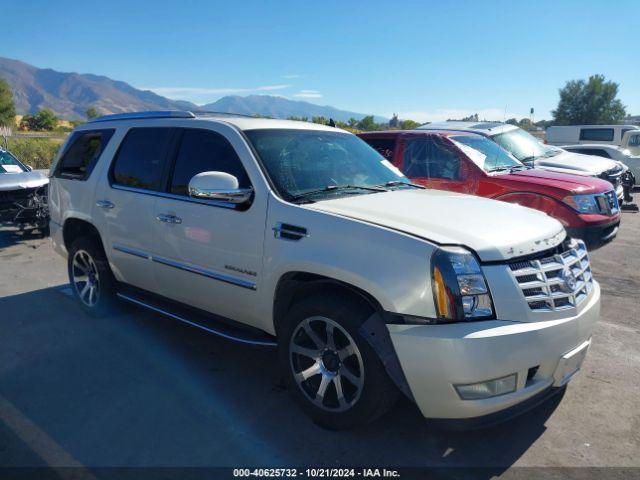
{"x":430,"y":161}
{"x":210,"y":255}
{"x":126,"y":203}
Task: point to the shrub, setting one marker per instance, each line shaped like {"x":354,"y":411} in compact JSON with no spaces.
{"x":37,"y":152}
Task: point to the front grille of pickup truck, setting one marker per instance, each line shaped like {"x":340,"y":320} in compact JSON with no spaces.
{"x":610,"y":204}
{"x":560,"y":281}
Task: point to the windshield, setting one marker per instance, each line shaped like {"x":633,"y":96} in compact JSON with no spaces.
{"x":9,"y":163}
{"x":521,"y":144}
{"x":486,"y":154}
{"x":304,"y":161}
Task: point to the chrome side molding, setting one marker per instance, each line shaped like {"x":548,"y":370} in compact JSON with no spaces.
{"x":239,"y":282}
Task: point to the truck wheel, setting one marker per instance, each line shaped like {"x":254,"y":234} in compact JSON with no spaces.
{"x":332,"y":371}
{"x":90,"y":277}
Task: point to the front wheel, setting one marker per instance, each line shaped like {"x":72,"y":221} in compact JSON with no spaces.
{"x":332,"y":371}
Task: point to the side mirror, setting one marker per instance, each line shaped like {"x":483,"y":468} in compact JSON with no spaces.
{"x":29,"y":167}
{"x":219,"y":186}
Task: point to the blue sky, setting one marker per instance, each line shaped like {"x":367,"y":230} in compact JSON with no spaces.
{"x":427,"y":60}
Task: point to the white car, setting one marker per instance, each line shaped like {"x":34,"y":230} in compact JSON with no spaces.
{"x":23,"y":194}
{"x":274,"y":232}
{"x":625,"y":136}
{"x":619,"y":154}
{"x":530,"y":151}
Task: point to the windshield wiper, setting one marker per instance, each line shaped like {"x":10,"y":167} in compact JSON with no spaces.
{"x":519,"y":167}
{"x":395,"y":183}
{"x":498,"y":169}
{"x":336,"y":188}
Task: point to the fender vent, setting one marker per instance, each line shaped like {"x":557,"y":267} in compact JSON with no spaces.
{"x":286,"y":231}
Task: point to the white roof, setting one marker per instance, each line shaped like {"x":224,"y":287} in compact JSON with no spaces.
{"x":250,"y":123}
{"x":485,"y":128}
{"x":240,"y":121}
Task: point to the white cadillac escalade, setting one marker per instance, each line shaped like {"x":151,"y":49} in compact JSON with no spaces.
{"x":298,"y":235}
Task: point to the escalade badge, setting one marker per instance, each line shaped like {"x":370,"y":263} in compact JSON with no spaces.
{"x":569,"y":280}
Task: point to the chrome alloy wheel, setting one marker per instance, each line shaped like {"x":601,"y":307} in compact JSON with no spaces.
{"x":326,"y":364}
{"x":85,"y":278}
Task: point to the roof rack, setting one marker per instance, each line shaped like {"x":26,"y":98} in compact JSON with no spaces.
{"x":134,"y":115}
{"x":212,"y":113}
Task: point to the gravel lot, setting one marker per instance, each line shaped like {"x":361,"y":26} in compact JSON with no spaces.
{"x":138,"y":389}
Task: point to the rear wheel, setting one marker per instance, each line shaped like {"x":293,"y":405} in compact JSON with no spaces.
{"x":90,"y":277}
{"x":332,"y":371}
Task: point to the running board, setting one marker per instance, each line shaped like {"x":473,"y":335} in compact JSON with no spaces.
{"x":201,"y":321}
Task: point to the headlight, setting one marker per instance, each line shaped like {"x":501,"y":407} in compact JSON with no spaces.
{"x":459,"y":288}
{"x":582,"y":203}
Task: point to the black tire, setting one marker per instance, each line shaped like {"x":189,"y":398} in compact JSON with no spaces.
{"x":87,"y":251}
{"x":378,"y":393}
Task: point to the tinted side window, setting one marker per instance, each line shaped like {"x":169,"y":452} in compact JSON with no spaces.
{"x":205,"y":151}
{"x":634,"y":141}
{"x":82,"y":154}
{"x":430,"y":159}
{"x":141,"y":157}
{"x":597,"y":134}
{"x":384,"y":146}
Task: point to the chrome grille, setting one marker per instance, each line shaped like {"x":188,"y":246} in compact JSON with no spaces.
{"x":557,"y":282}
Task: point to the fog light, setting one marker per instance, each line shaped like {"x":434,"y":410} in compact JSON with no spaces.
{"x":488,"y":389}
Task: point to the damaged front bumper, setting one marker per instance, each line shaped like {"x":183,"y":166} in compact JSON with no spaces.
{"x":25,"y":207}
{"x":437,"y":359}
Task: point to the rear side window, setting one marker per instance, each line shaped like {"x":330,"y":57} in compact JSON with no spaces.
{"x":81,"y":156}
{"x":384,"y":146}
{"x":205,"y":151}
{"x":141,"y":157}
{"x":597,"y":134}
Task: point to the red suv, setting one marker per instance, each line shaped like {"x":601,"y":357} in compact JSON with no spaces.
{"x":470,"y":163}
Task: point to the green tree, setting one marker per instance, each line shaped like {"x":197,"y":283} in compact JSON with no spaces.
{"x":319,"y":119}
{"x":45,"y":119}
{"x":7,"y":108}
{"x":408,"y":124}
{"x":367,"y":124}
{"x":92,"y":112}
{"x":590,"y":102}
{"x":512,"y":121}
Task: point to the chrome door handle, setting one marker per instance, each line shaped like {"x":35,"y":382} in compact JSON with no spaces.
{"x":104,"y":204}
{"x":169,"y":219}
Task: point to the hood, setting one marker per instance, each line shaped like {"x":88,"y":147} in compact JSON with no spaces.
{"x":563,"y":182}
{"x":17,"y":181}
{"x":494,"y":230}
{"x":576,"y":163}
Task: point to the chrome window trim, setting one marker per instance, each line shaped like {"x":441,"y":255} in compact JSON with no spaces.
{"x":172,"y":196}
{"x":239,"y":282}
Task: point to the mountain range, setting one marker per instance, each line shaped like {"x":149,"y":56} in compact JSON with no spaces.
{"x":69,"y":95}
